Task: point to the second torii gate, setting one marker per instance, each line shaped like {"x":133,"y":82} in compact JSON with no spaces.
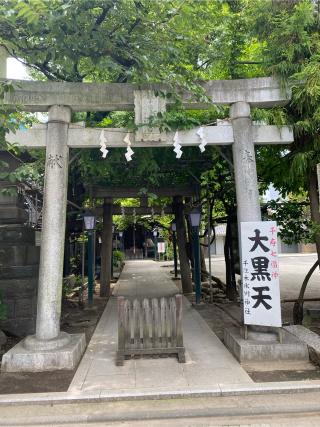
{"x":49,"y":348}
{"x":109,"y":209}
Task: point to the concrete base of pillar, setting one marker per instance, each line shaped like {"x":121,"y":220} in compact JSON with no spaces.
{"x":21,"y":359}
{"x":265,"y":346}
{"x":34,"y":344}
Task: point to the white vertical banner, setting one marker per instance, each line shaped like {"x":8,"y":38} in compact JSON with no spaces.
{"x":260,"y":273}
{"x":161,"y":247}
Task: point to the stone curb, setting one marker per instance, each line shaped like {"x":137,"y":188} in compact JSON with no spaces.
{"x":109,"y":418}
{"x":105,"y":395}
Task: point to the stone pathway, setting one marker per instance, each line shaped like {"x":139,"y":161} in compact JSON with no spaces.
{"x":208,"y":363}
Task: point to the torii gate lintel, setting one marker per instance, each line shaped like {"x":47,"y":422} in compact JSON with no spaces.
{"x":35,"y":96}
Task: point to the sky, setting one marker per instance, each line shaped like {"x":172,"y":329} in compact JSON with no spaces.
{"x":16,"y":70}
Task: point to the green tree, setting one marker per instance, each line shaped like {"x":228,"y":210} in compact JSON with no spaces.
{"x":289,"y":37}
{"x":140,"y":41}
{"x":109,"y":40}
{"x":179,"y":42}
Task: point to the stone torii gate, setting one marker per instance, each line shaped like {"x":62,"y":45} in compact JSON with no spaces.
{"x":49,"y":348}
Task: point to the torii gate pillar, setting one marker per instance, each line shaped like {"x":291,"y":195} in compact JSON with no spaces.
{"x":245,"y":171}
{"x":54,"y":224}
{"x":50,"y":348}
{"x":3,"y":62}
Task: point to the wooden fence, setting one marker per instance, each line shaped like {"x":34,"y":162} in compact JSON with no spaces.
{"x":150,"y":326}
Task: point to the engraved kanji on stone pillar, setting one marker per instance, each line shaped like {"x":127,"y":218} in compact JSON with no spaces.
{"x":146,"y":105}
{"x":53,"y":231}
{"x":245,"y":171}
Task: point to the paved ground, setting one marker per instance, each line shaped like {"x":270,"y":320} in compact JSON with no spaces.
{"x":208,"y":364}
{"x":241,"y":404}
{"x":293,"y":268}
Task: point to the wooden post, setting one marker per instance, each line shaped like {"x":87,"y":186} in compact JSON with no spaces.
{"x":147,"y":323}
{"x":121,"y":331}
{"x":172,"y":308}
{"x":174,"y":242}
{"x":181,"y":352}
{"x":106,"y":249}
{"x":181,"y":240}
{"x":318,"y":176}
{"x":90,"y":266}
{"x":231,"y":289}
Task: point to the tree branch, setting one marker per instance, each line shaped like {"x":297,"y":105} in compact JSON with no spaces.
{"x":103,"y":14}
{"x":51,"y":75}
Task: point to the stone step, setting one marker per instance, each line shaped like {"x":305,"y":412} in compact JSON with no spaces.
{"x":20,"y":326}
{"x":20,"y":314}
{"x":6,"y":200}
{"x":13,"y":235}
{"x":10,"y":288}
{"x":12,"y":215}
{"x":19,"y":272}
{"x":19,"y":255}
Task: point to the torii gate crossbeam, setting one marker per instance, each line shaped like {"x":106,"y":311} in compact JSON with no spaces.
{"x":80,"y":137}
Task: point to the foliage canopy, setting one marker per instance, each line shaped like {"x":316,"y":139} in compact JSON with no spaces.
{"x":180,"y":42}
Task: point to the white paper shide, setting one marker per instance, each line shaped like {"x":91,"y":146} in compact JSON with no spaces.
{"x":260,"y":273}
